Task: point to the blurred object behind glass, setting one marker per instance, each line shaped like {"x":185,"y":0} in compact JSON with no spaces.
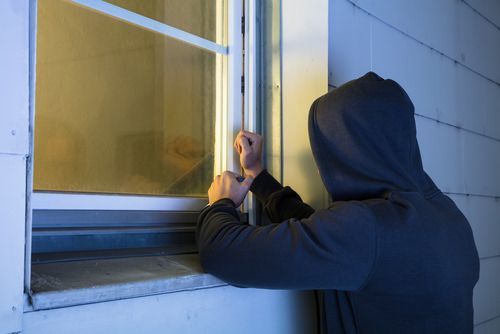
{"x":120,"y":109}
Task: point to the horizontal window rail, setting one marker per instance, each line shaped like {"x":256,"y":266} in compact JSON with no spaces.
{"x":60,"y":235}
{"x":152,"y":25}
{"x":68,"y":235}
{"x":61,"y":219}
{"x":71,"y":201}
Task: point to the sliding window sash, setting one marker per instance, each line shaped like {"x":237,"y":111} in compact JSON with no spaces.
{"x":177,"y":213}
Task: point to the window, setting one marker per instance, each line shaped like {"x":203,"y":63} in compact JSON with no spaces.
{"x":121,"y":109}
{"x":136,"y":106}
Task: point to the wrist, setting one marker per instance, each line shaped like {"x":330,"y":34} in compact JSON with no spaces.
{"x":254,"y":172}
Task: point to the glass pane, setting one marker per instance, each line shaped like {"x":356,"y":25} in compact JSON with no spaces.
{"x":120,"y":109}
{"x":195,"y":16}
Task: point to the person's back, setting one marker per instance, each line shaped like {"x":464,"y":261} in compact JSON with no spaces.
{"x":425,"y":270}
{"x":392,"y":254}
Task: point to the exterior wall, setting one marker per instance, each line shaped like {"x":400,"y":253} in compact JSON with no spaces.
{"x":217,"y":310}
{"x":445,"y":54}
{"x":223,"y":310}
{"x":304,"y":67}
{"x":14,"y":121}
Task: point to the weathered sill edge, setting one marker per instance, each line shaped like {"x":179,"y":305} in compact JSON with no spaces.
{"x":184,"y":274}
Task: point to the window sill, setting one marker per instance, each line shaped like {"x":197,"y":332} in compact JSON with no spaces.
{"x":57,"y":285}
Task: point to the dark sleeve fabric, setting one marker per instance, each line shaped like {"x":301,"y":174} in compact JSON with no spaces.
{"x":280,"y":203}
{"x":332,"y":249}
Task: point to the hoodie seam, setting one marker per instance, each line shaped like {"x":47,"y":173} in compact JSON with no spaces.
{"x":432,"y":194}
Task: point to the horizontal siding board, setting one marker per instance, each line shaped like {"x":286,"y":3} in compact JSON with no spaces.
{"x":349,"y":42}
{"x":408,"y":17}
{"x":490,"y":9}
{"x":481,"y":165}
{"x":451,"y":27}
{"x":487,"y":291}
{"x":489,"y":327}
{"x":477,"y":103}
{"x":218,"y":310}
{"x":441,"y":154}
{"x":483,"y":214}
{"x":413,"y":66}
{"x":462,"y":204}
{"x":445,"y":54}
{"x":439,"y":88}
{"x":457,"y":160}
{"x":479,"y":53}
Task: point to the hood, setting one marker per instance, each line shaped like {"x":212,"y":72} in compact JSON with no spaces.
{"x":363,"y":138}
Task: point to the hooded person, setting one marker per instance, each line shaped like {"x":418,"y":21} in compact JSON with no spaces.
{"x":391,"y":254}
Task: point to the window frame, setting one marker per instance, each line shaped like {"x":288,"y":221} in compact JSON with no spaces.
{"x":229,"y":100}
{"x":235,"y":107}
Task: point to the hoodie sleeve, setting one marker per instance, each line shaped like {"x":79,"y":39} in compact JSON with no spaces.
{"x":280,"y":203}
{"x":332,"y":249}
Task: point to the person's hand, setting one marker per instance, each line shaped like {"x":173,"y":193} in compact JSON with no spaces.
{"x":228,"y":186}
{"x":249,"y":147}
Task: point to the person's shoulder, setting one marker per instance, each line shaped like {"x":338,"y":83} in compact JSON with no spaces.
{"x":350,"y":223}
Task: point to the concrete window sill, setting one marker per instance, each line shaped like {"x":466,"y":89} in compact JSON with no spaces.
{"x":58,"y":285}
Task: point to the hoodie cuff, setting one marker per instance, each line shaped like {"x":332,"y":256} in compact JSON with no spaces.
{"x":264,"y":186}
{"x":225,"y":202}
{"x":222,"y":205}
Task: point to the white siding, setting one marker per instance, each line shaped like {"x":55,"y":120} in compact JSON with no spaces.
{"x":490,"y":9}
{"x":489,"y":327}
{"x":487,"y":291}
{"x":304,"y":76}
{"x":12,"y":208}
{"x":14,"y":115}
{"x":459,"y":161}
{"x":484,"y":214}
{"x":440,"y":88}
{"x":449,"y":26}
{"x":348,"y":43}
{"x":220,"y":310}
{"x":445,"y":54}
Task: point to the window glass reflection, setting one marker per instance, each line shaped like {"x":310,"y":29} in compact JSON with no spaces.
{"x":120,"y":109}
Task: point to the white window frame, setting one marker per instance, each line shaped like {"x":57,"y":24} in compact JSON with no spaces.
{"x":229,"y":111}
{"x":229,"y":72}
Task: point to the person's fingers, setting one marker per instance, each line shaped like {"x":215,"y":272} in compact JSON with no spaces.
{"x":237,"y":146}
{"x":245,"y":145}
{"x":248,"y":133}
{"x":240,"y":135}
{"x":247,"y":182}
{"x":237,"y":141}
{"x":228,"y":173}
{"x":252,"y":136}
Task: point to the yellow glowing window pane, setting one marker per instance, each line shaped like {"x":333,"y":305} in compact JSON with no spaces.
{"x":120,"y":109}
{"x":193,"y":16}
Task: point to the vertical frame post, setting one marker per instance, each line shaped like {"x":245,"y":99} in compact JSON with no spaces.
{"x":228,"y":118}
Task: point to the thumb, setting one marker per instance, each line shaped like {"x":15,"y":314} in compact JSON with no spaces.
{"x":247,"y":182}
